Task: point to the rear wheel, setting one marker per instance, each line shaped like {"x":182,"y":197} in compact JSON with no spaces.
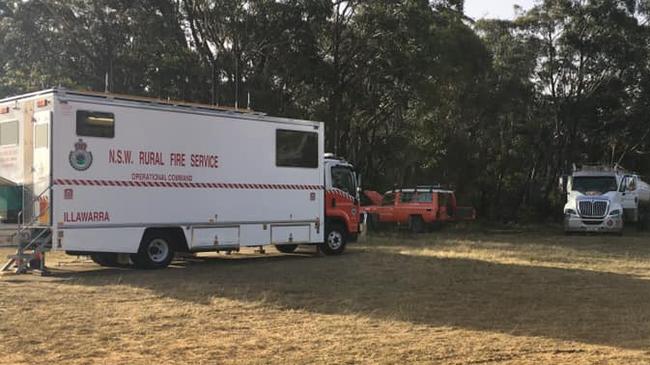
{"x":286,"y":248}
{"x":416,"y":224}
{"x":155,"y":252}
{"x":335,"y":239}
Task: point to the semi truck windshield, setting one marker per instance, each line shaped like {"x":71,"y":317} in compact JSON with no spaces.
{"x":599,"y":184}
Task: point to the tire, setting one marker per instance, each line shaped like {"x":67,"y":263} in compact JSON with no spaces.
{"x":416,"y":224}
{"x":286,"y":248}
{"x":106,"y":259}
{"x":155,"y":252}
{"x":336,"y":237}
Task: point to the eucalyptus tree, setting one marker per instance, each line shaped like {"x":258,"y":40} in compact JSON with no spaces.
{"x":116,"y":45}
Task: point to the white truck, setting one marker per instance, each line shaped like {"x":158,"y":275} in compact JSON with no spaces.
{"x":116,"y":176}
{"x":603,"y":199}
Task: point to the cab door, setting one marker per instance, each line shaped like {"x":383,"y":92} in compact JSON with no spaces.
{"x":386,"y":211}
{"x":341,"y":199}
{"x":404,"y":207}
{"x":629,"y":198}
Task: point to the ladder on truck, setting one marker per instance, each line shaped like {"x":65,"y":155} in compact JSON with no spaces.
{"x":33,"y":241}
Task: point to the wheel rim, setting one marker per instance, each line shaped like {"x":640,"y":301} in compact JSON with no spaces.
{"x":158,"y":250}
{"x":335,"y":240}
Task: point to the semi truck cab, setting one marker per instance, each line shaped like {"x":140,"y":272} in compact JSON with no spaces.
{"x":595,"y":200}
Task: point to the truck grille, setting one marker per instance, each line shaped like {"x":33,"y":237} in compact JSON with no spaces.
{"x":595,"y":208}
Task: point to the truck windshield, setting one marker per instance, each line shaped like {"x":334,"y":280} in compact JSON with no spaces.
{"x":595,"y":184}
{"x":343,"y":178}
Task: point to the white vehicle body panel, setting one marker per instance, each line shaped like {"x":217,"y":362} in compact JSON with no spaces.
{"x":151,"y":175}
{"x":25,"y":158}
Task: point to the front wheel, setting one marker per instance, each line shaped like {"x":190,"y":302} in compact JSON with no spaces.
{"x":155,"y":252}
{"x":335,"y":240}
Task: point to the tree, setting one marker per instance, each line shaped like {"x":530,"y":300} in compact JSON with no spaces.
{"x":123,"y":46}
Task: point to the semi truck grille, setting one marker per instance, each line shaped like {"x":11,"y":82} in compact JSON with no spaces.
{"x":589,"y":208}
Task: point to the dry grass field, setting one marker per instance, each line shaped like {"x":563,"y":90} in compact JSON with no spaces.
{"x":447,"y":297}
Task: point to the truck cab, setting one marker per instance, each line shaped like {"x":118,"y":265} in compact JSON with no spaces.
{"x":342,"y":210}
{"x":601,"y":199}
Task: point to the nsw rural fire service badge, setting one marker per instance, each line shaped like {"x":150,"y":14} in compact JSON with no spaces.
{"x":80,"y":158}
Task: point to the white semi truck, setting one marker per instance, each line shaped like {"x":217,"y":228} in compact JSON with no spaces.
{"x":115,"y":176}
{"x":603,"y":199}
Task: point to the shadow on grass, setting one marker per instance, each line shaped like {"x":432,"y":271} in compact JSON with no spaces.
{"x":575,"y":305}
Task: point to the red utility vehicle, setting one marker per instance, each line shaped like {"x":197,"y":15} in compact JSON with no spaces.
{"x":416,"y":208}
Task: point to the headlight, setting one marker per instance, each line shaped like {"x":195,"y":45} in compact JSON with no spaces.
{"x":570,"y":212}
{"x":615,"y":212}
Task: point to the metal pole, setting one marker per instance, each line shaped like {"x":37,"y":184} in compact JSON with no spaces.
{"x":213,"y":84}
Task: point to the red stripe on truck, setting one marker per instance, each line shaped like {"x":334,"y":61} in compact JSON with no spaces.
{"x":177,"y":185}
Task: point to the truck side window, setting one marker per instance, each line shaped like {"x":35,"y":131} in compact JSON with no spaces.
{"x":406,"y":197}
{"x":95,"y":124}
{"x":389,"y":199}
{"x":443,"y":199}
{"x":424,"y":197}
{"x":9,"y":133}
{"x":632,"y":184}
{"x":342,"y":178}
{"x":296,"y":149}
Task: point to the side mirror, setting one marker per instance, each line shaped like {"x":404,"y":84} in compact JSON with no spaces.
{"x":359,"y":190}
{"x":562,"y":183}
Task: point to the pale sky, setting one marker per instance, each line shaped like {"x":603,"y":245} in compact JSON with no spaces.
{"x":502,"y":9}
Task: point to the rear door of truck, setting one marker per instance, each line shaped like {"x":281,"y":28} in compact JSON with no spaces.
{"x":25,"y":160}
